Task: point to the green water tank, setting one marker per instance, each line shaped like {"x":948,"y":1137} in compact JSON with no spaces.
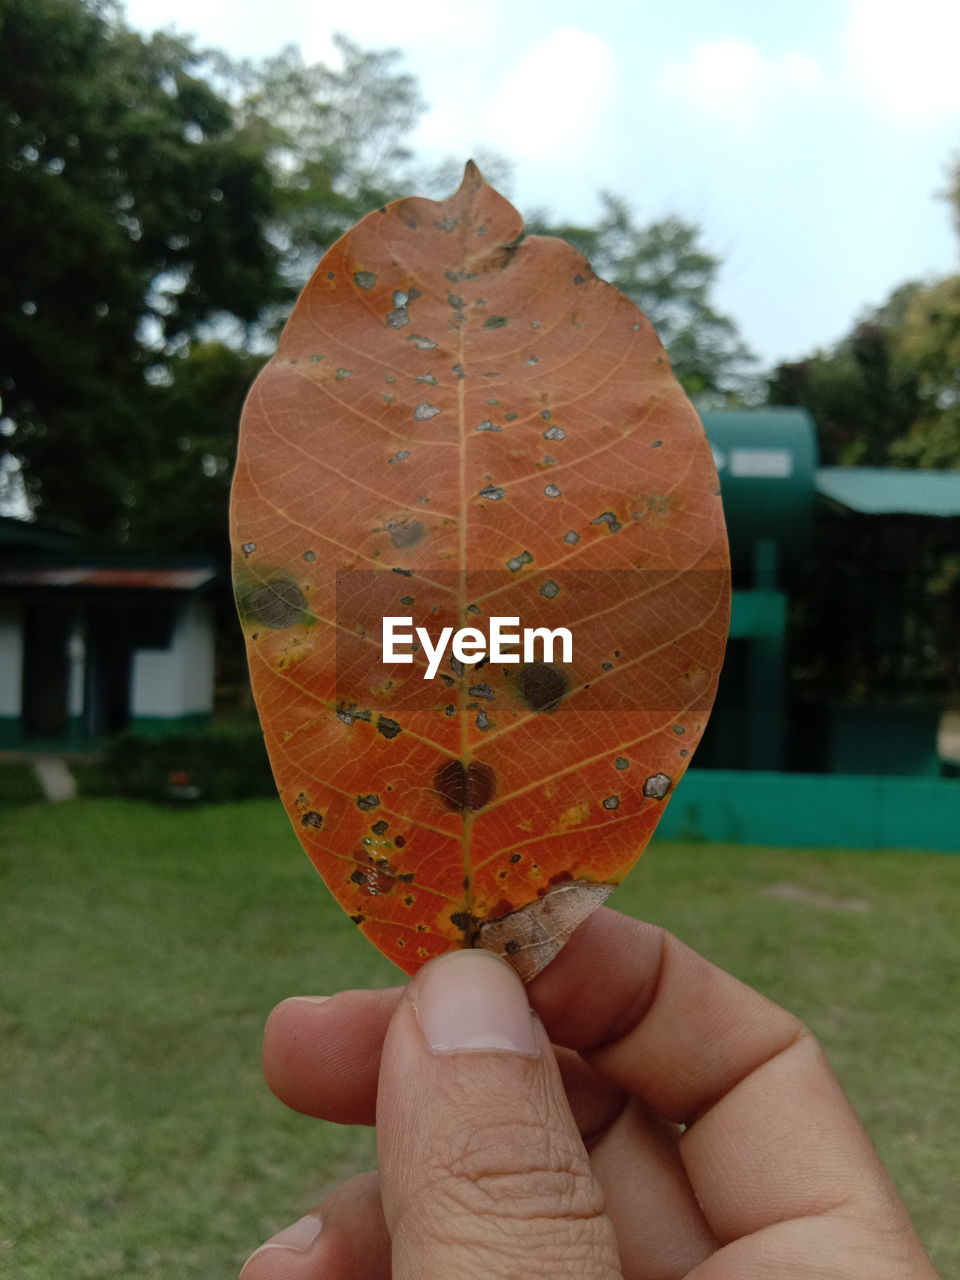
{"x":766,"y":460}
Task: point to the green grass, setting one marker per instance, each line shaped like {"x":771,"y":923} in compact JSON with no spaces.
{"x":141,"y":949}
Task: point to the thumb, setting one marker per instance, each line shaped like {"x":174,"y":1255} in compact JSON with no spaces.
{"x":483,"y":1171}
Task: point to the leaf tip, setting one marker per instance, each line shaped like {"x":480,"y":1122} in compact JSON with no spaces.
{"x":472,"y":177}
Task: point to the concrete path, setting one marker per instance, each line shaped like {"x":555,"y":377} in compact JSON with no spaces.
{"x":56,"y":779}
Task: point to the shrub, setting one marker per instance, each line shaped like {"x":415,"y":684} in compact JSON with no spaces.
{"x":215,"y":764}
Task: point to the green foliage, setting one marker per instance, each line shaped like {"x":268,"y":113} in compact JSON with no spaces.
{"x":664,"y":268}
{"x":224,"y":763}
{"x":19,"y":784}
{"x":134,"y":211}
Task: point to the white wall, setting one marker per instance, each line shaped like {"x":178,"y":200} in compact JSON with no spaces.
{"x":11,"y":659}
{"x":177,"y":681}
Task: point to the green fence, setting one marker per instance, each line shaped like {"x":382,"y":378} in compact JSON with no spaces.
{"x":820,"y":811}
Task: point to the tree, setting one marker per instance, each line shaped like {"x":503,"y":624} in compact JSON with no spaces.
{"x":134,"y":212}
{"x":889,"y":392}
{"x":663,"y":267}
{"x":333,"y":137}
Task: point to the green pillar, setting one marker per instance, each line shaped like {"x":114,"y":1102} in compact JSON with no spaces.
{"x":766,"y":721}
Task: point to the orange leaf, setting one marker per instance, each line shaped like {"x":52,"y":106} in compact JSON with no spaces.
{"x":460,"y":423}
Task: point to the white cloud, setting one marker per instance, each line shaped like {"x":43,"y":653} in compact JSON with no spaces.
{"x":903,"y":58}
{"x":549,"y":105}
{"x":733,"y":80}
{"x":444,"y":28}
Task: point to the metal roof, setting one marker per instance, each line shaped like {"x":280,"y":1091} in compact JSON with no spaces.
{"x":86,"y":576}
{"x":878,"y":491}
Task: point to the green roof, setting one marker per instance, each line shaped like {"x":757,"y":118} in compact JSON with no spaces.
{"x":880,"y":491}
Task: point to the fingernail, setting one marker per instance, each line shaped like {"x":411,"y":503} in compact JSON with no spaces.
{"x":307,"y":999}
{"x":298,"y":1238}
{"x":472,"y":999}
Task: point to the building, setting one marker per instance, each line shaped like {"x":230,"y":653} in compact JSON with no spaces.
{"x":92,"y":644}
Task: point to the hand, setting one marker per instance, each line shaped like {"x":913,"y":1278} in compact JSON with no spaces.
{"x":681,"y":1125}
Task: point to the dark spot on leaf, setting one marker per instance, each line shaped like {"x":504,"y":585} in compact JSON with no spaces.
{"x":367,"y":802}
{"x":684,"y":751}
{"x":678,"y":728}
{"x":517,"y":562}
{"x":541,"y":686}
{"x":248,"y":548}
{"x":448,"y":224}
{"x":449,"y":709}
{"x":655,"y":444}
{"x":579,"y":280}
{"x":550,"y":589}
{"x":511,"y":946}
{"x":495,"y":322}
{"x":493,"y":493}
{"x":612,"y":802}
{"x":555,"y":433}
{"x":344,"y":373}
{"x":422,"y":344}
{"x":482,"y":721}
{"x":277,"y":604}
{"x":404,"y":573}
{"x":348,"y":713}
{"x":359,"y":876}
{"x":621,"y":762}
{"x":571,"y":537}
{"x":310,"y":556}
{"x":461,"y":788}
{"x":552,"y":491}
{"x":406,"y":533}
{"x":387,"y":727}
{"x":511,"y":417}
{"x":399,"y":318}
{"x":486,"y":425}
{"x":657,"y":786}
{"x":463,"y":920}
{"x":424,"y":411}
{"x":358,"y":919}
{"x":515,"y":857}
{"x":609,"y":519}
{"x":408,"y":900}
{"x":364,"y":279}
{"x":481,"y":691}
{"x":400,"y":456}
{"x":312,"y":819}
{"x":380,"y":828}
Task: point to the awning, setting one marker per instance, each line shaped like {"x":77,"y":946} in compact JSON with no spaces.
{"x":878,"y":491}
{"x":90,"y":577}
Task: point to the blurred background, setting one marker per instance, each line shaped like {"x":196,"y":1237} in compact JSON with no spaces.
{"x":779,"y":190}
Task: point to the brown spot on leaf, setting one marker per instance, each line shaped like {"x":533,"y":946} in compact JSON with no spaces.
{"x":541,"y":686}
{"x":277,"y":604}
{"x":406,"y":533}
{"x":461,"y":788}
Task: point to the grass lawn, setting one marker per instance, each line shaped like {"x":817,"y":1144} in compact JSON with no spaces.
{"x":141,"y":949}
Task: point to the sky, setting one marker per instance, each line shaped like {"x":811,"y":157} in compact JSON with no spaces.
{"x":811,"y":143}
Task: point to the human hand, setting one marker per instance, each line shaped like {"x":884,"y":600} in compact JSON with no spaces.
{"x":680,"y":1125}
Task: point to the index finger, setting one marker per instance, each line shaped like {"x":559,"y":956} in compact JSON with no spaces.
{"x":770,"y":1134}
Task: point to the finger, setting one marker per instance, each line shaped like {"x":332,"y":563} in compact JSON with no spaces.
{"x":771,"y":1135}
{"x":661,"y":1229}
{"x":483,"y":1171}
{"x":344,"y":1238}
{"x":322,"y":1057}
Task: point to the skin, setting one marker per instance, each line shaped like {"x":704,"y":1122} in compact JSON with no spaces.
{"x":676,"y":1123}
